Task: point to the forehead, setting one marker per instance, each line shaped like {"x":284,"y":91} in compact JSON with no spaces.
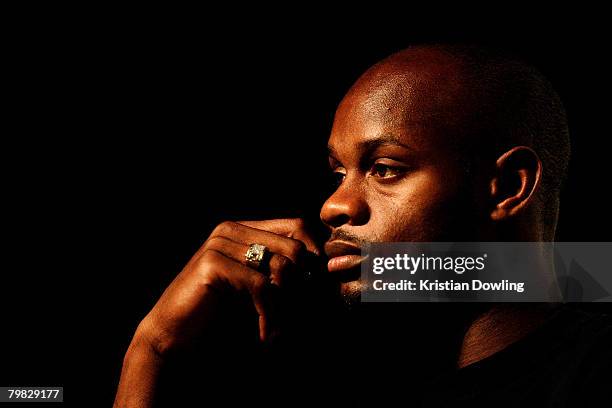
{"x":421,"y":104}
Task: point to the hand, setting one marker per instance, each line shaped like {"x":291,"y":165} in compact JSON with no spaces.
{"x":189,"y":303}
{"x":195,"y":298}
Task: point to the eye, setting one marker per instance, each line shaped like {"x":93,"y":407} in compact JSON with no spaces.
{"x":338,"y":178}
{"x":384,"y":171}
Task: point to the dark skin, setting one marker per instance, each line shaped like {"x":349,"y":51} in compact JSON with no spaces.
{"x":400,"y":179}
{"x":403,"y":180}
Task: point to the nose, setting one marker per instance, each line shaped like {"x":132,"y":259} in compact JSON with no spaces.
{"x":347,"y":205}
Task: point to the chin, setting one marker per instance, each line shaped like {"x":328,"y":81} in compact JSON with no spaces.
{"x":351,"y":293}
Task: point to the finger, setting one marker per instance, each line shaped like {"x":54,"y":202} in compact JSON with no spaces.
{"x":290,"y":227}
{"x":278,"y":267}
{"x":291,"y":248}
{"x":244,"y":279}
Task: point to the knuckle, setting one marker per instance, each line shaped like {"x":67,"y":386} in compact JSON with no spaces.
{"x":298,"y":223}
{"x":223,"y":229}
{"x":296,"y":249}
{"x":281,"y":269}
{"x":206,"y":263}
{"x":280,"y":263}
{"x":295,"y":225}
{"x":215,"y":242}
{"x":258,"y":283}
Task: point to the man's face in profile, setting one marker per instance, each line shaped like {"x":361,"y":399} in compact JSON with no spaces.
{"x":393,"y":150}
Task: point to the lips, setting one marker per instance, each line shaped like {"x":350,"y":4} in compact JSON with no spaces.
{"x":342,"y":256}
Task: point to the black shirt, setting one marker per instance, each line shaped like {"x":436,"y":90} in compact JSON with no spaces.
{"x":566,"y":362}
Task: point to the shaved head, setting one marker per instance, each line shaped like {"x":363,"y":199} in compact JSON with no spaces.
{"x":446,"y":143}
{"x":477,"y":101}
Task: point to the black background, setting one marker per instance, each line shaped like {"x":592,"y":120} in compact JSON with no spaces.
{"x":129,"y":138}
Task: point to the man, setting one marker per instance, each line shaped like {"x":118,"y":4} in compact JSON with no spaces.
{"x":434,"y":143}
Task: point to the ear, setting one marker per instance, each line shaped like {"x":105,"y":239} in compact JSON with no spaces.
{"x":517,"y":176}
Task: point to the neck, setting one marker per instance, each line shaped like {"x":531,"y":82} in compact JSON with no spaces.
{"x":499,"y":327}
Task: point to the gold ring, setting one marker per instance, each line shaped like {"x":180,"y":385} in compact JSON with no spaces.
{"x":255,"y":255}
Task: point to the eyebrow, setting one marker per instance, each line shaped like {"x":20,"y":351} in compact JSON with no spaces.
{"x":371,"y":145}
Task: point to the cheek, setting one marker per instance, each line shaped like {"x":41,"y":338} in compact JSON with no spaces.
{"x":420,"y":208}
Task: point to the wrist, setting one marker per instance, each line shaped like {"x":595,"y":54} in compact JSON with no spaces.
{"x":139,"y":375}
{"x":144,"y":344}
